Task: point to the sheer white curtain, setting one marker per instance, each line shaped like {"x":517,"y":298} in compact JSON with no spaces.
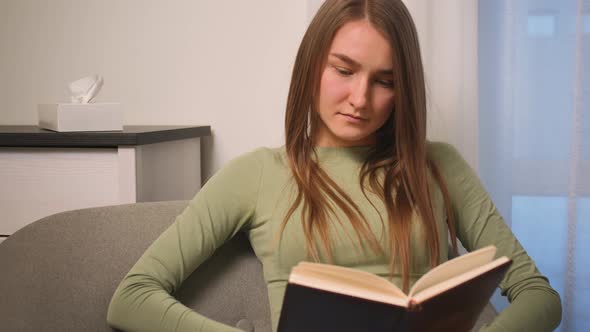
{"x":509,"y":87}
{"x":448,"y":38}
{"x":534,"y":134}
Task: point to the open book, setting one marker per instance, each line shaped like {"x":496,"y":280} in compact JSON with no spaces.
{"x":450,"y":297}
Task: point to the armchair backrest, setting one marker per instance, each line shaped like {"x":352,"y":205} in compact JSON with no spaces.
{"x":60,"y":272}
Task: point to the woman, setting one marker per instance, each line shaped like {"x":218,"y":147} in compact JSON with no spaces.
{"x":356,"y":184}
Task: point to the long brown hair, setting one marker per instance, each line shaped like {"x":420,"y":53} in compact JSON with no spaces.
{"x":397,"y":165}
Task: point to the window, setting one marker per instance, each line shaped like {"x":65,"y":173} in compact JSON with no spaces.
{"x":541,"y":24}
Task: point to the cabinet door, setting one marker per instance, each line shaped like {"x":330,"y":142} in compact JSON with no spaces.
{"x":37,"y":182}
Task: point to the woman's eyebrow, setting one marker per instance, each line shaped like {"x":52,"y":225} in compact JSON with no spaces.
{"x":351,"y":62}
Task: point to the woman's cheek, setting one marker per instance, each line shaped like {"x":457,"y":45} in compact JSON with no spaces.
{"x":386,"y":101}
{"x":333,"y":87}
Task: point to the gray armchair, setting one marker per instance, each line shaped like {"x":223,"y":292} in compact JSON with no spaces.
{"x":59,"y":273}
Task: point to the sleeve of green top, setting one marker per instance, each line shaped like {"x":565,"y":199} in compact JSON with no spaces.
{"x":143,"y":301}
{"x":534,"y":305}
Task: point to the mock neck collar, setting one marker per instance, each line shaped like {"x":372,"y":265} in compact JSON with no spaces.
{"x":340,"y":153}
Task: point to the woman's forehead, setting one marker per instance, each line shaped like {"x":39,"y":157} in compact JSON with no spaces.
{"x":362,"y":43}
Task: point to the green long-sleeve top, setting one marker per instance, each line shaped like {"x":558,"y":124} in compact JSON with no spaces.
{"x":253,"y":193}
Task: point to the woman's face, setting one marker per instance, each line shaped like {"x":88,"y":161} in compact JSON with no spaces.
{"x":356,"y":88}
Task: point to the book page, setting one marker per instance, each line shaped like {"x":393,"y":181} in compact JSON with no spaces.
{"x":347,"y":281}
{"x":454,"y":267}
{"x":432,"y":291}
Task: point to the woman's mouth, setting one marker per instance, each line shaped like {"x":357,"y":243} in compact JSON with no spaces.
{"x":351,"y":118}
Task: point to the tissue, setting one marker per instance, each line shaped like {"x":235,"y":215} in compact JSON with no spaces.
{"x":83,"y":90}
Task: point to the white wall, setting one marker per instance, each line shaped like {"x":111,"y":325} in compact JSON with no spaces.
{"x":208,"y":62}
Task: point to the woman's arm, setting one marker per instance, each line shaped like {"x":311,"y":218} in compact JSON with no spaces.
{"x":226,"y":204}
{"x":534,"y":305}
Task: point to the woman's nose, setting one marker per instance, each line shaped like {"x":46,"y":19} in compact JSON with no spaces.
{"x":358,"y":93}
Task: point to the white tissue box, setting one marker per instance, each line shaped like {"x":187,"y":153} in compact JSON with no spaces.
{"x":81,"y":117}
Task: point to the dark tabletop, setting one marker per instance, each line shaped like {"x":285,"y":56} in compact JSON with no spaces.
{"x":33,"y":136}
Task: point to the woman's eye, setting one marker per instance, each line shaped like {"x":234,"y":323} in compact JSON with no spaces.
{"x":343,"y":72}
{"x":385,"y":83}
